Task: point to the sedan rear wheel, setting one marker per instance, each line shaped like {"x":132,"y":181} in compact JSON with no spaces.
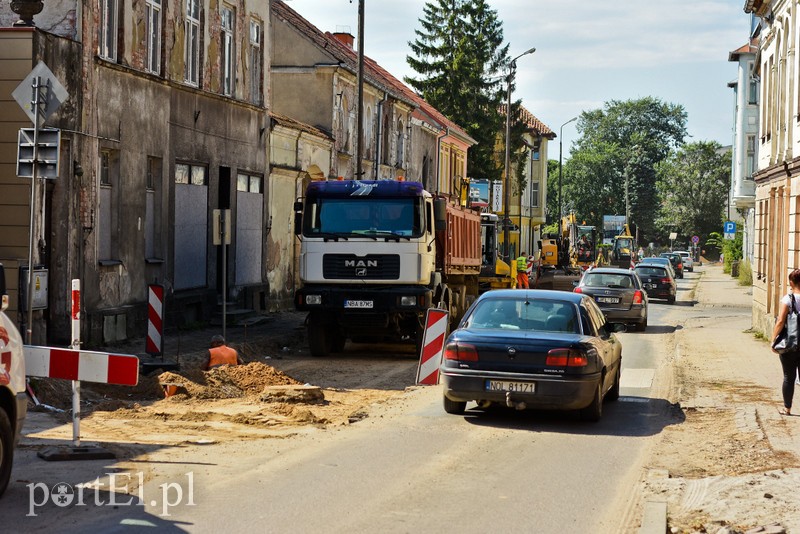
{"x":454,"y":407}
{"x":594,"y":411}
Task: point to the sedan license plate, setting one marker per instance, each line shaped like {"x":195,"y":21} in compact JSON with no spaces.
{"x":515,"y":387}
{"x":358,"y":304}
{"x":608,"y":300}
{"x":649,"y":286}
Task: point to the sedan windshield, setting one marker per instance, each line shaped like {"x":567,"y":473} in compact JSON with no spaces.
{"x":530,"y":315}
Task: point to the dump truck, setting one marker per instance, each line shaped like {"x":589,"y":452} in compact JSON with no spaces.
{"x":376,"y":255}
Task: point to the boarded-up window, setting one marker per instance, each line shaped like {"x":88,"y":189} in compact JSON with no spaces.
{"x":191,"y":225}
{"x":249,"y":228}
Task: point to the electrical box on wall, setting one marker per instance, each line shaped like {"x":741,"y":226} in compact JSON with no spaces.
{"x":40,"y":283}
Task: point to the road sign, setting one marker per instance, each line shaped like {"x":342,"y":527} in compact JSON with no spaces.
{"x":50,"y":100}
{"x":695,"y":239}
{"x":673,"y":236}
{"x":497,"y":196}
{"x":729,"y":230}
{"x":432,"y":347}
{"x":47,"y":154}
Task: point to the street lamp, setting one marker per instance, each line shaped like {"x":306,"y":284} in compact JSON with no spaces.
{"x":512,"y":67}
{"x":560,"y":147}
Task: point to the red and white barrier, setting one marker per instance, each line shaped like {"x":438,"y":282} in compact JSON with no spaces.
{"x":432,"y":347}
{"x":155,"y":324}
{"x":81,"y":365}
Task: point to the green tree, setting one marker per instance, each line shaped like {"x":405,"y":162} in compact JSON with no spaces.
{"x":693,"y":186}
{"x":623,"y":142}
{"x":457,"y":53}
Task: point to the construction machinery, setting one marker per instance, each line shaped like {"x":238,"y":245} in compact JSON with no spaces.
{"x":623,"y":251}
{"x":566,"y":255}
{"x":495,"y":273}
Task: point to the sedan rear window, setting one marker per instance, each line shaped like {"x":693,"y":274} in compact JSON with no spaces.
{"x":531,"y":315}
{"x":607,"y":280}
{"x":651,"y":271}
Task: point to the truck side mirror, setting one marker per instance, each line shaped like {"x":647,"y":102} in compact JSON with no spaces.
{"x":440,"y":214}
{"x":298,"y":223}
{"x":298,"y":206}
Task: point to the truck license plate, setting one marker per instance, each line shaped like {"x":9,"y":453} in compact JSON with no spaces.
{"x":358,"y":304}
{"x":516,"y":387}
{"x":608,"y":300}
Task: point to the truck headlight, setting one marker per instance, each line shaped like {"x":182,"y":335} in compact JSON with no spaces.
{"x":408,"y":301}
{"x":314,"y":300}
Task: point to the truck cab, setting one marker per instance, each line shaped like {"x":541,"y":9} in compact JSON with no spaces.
{"x":376,"y":255}
{"x":13,"y":399}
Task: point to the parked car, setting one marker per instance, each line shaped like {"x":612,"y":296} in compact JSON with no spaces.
{"x":541,"y":349}
{"x":13,"y":400}
{"x":618,"y":293}
{"x":688,"y":262}
{"x":664,"y":262}
{"x":658,"y":281}
{"x":677,"y":262}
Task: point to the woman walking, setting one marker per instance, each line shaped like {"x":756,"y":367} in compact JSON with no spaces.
{"x":790,"y":361}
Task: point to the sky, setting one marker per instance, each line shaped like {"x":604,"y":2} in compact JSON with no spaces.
{"x":587,"y":53}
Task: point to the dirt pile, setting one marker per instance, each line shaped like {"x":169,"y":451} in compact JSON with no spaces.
{"x":227,"y":382}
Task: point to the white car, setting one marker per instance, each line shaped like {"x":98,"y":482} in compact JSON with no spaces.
{"x":688,"y":263}
{"x":13,"y":400}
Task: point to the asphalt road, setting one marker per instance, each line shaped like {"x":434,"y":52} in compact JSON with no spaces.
{"x":409,"y":467}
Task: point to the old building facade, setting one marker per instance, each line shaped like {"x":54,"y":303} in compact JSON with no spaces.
{"x":777,"y":180}
{"x":166,"y":122}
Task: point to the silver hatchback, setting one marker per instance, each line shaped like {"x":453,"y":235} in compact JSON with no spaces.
{"x":619,"y":294}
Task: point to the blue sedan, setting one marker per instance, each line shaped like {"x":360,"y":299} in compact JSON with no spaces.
{"x":537,"y":349}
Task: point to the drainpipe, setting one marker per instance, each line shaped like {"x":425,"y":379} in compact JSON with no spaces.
{"x":379,"y":133}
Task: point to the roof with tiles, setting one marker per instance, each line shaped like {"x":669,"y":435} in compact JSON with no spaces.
{"x":535,"y":125}
{"x":749,"y":48}
{"x":373,"y":72}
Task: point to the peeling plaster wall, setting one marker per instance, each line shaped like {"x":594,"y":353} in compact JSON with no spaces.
{"x":58,"y":17}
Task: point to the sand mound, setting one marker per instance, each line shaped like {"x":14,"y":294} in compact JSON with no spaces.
{"x":227,"y":382}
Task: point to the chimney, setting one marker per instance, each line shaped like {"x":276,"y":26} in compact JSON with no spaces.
{"x":344,"y":36}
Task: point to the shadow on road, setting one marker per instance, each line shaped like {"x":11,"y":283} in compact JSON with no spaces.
{"x":630,"y":416}
{"x":660,"y":329}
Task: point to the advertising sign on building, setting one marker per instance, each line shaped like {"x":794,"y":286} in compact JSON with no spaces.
{"x":479,"y":193}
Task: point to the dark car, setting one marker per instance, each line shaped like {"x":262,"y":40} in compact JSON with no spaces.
{"x":664,"y":262}
{"x":618,"y":293}
{"x":677,"y":262}
{"x":657,"y":281}
{"x":538,"y":349}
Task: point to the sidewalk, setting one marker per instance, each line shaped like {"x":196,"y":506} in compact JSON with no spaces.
{"x":741,"y":457}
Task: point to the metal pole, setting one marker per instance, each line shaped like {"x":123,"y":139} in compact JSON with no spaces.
{"x":360,"y":118}
{"x":560,"y":147}
{"x":34,"y":183}
{"x":506,"y":186}
{"x":76,"y":345}
{"x":223,"y":230}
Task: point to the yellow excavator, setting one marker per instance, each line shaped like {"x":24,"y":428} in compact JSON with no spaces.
{"x":495,"y":273}
{"x":566,"y":255}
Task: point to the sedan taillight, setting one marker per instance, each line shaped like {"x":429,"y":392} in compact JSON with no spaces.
{"x":566,"y":358}
{"x":637,"y":297}
{"x":577,"y":290}
{"x":461,"y":352}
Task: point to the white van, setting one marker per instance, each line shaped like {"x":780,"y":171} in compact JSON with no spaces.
{"x":13,"y":400}
{"x":688,"y":263}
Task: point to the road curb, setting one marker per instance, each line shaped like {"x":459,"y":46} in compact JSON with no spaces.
{"x":654,"y":518}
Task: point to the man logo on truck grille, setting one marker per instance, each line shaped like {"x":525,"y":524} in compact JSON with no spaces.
{"x":360,"y":263}
{"x":361,"y":271}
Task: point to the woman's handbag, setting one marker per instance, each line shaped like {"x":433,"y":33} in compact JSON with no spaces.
{"x":788,"y":339}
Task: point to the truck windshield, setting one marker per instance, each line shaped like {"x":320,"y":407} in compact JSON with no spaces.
{"x":364,"y":216}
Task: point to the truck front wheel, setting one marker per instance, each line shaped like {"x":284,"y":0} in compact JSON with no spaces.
{"x":320,"y":341}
